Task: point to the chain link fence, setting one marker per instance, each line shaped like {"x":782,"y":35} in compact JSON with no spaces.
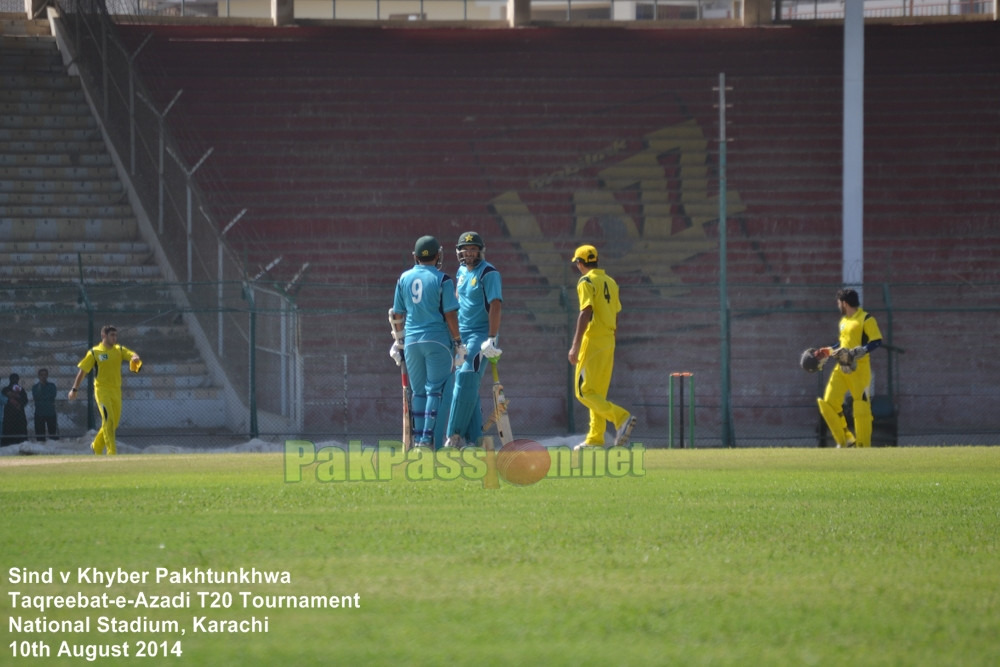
{"x":331,"y":376}
{"x":205,"y":348}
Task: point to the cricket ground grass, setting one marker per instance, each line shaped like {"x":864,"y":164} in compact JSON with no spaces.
{"x":697,"y":557}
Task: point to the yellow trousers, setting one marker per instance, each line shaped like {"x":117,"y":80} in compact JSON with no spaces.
{"x":831,"y":406}
{"x":593,"y":377}
{"x":110,"y":408}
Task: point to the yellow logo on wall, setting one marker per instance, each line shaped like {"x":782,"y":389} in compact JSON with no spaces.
{"x":648,"y":221}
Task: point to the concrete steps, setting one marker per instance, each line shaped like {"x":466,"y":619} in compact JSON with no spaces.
{"x":16,"y":26}
{"x":60,"y":229}
{"x":63,"y":207}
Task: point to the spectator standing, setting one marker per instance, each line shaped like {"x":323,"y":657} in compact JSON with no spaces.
{"x":44,"y":393}
{"x":15,"y":419}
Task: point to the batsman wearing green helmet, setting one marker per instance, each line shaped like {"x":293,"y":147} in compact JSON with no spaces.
{"x":480,"y":300}
{"x":423,"y":315}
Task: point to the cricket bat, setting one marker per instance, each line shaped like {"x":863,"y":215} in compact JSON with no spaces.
{"x":407,"y":417}
{"x":405,"y":379}
{"x":500,"y":408}
{"x":491,"y":480}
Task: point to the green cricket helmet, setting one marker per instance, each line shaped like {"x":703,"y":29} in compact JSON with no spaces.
{"x":469,"y":238}
{"x":427,"y":247}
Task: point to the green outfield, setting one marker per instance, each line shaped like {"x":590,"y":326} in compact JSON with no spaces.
{"x":703,"y":557}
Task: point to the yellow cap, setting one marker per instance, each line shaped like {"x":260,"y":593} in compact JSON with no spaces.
{"x":134,"y":365}
{"x":585,"y":253}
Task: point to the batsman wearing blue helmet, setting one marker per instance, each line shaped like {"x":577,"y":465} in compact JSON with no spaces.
{"x":424,"y":316}
{"x":480,"y":301}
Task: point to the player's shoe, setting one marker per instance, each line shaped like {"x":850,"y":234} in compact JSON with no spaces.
{"x":455,"y":442}
{"x":624,"y":432}
{"x":584,"y":445}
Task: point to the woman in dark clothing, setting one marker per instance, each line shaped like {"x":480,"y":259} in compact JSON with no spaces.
{"x":15,"y":420}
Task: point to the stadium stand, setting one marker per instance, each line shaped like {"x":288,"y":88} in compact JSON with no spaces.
{"x":68,"y":235}
{"x":345,"y":143}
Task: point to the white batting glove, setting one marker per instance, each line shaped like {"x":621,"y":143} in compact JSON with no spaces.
{"x":461,"y":352}
{"x":489,"y":348}
{"x":396,"y":352}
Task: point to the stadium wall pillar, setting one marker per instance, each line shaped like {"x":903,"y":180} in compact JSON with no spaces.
{"x":33,"y":7}
{"x":282,"y":12}
{"x":518,"y":12}
{"x":757,"y":12}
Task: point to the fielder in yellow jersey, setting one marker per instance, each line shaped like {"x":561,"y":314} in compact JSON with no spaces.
{"x":859,"y":335}
{"x":593,"y":349}
{"x":107,"y":358}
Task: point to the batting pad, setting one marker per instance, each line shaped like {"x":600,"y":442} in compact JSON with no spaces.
{"x":465,"y":418}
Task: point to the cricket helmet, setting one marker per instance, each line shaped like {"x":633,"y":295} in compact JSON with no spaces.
{"x":469,"y":238}
{"x":427,"y":247}
{"x":809,"y":362}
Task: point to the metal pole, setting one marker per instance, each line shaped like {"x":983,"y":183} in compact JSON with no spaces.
{"x":347,"y":394}
{"x":160,"y":173}
{"x":570,"y":370}
{"x":680,"y":411}
{"x":131,"y":102}
{"x":691,"y":408}
{"x":677,"y":379}
{"x":189,"y":213}
{"x":724,"y":358}
{"x":220,"y":275}
{"x":853,"y":163}
{"x":670,"y":413}
{"x":890,"y":390}
{"x":85,"y":299}
{"x":252,"y":361}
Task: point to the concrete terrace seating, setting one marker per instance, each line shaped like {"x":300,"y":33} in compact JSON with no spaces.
{"x":342,"y":141}
{"x":372,"y":129}
{"x":65,"y":219}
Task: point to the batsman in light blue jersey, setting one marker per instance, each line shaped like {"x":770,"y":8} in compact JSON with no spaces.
{"x":480,"y":298}
{"x":425,"y":301}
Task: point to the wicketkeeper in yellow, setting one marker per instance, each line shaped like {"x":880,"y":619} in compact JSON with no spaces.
{"x":107,"y":358}
{"x":593,"y":349}
{"x":859,"y":335}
